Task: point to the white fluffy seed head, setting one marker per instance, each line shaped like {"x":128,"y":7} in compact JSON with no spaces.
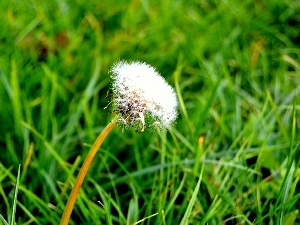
{"x":140,"y":92}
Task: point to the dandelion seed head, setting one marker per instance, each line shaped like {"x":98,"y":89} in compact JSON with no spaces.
{"x":140,"y":92}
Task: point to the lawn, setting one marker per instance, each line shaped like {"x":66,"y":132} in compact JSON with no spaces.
{"x":231,"y":157}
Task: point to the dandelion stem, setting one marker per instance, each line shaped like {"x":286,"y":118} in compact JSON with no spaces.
{"x":82,"y":173}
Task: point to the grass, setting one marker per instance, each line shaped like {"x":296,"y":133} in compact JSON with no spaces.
{"x":233,"y":155}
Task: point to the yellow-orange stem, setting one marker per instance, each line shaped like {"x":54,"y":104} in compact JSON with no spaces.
{"x":81,"y":175}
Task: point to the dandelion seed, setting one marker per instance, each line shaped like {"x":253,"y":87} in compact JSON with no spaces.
{"x":140,"y":93}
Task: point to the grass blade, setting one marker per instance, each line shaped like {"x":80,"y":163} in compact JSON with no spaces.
{"x":13,"y":214}
{"x":3,"y":220}
{"x":188,"y":211}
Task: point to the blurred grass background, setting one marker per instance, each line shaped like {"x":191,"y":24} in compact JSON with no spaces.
{"x":233,"y":155}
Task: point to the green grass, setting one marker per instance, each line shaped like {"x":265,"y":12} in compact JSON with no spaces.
{"x":233,"y":155}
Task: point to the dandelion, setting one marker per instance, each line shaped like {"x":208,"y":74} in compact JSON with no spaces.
{"x":140,"y":93}
{"x":141,"y":96}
